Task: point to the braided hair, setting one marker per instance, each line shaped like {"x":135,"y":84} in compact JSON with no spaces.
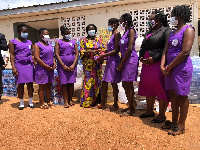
{"x":127,"y":17}
{"x":41,"y":30}
{"x":63,"y":29}
{"x":162,"y":17}
{"x":20,"y":26}
{"x":182,"y":11}
{"x":113,"y":21}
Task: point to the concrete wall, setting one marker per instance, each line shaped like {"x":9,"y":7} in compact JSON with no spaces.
{"x":100,"y":16}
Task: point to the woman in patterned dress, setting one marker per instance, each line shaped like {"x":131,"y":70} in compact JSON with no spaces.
{"x":91,"y":46}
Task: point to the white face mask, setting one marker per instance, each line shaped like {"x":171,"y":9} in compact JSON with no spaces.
{"x":91,"y":32}
{"x":46,"y":38}
{"x":173,"y":21}
{"x":68,"y":37}
{"x":121,"y":27}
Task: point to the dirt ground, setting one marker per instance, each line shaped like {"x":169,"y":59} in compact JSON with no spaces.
{"x":86,"y":128}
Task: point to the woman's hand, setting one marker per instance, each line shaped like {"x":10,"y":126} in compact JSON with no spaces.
{"x":54,"y":67}
{"x":15,"y":72}
{"x":72,"y":67}
{"x":119,"y":67}
{"x":164,"y":71}
{"x":149,"y":61}
{"x":65,"y":68}
{"x":143,"y":60}
{"x":101,"y":57}
{"x":50,"y":68}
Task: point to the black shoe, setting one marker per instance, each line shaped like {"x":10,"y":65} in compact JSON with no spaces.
{"x":146,"y":116}
{"x":158,"y":121}
{"x":20,"y":108}
{"x":31,"y":106}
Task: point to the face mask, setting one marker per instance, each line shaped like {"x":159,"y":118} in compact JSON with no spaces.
{"x":173,"y":21}
{"x":151,"y":24}
{"x":68,"y":37}
{"x":24,"y":35}
{"x":91,"y":32}
{"x":46,"y":38}
{"x":110,"y":28}
{"x":121,"y":27}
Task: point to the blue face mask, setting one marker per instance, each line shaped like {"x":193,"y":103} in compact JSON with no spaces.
{"x":91,"y":33}
{"x":24,"y":35}
{"x":110,"y":28}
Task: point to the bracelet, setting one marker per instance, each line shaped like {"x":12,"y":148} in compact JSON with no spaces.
{"x":167,"y":69}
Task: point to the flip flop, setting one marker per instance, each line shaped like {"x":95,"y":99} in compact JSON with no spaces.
{"x":157,"y":121}
{"x":146,"y":116}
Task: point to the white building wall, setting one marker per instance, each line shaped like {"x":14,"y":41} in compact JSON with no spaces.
{"x":100,"y":16}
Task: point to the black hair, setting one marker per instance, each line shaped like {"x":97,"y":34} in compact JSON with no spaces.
{"x":162,"y":17}
{"x":87,"y":28}
{"x":41,"y":30}
{"x":127,"y":17}
{"x":20,"y":26}
{"x":182,"y":11}
{"x":113,"y":21}
{"x":63,"y":29}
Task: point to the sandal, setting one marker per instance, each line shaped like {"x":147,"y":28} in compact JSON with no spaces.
{"x":112,"y":108}
{"x":126,"y":114}
{"x":144,"y":115}
{"x":157,"y":121}
{"x":66,"y":105}
{"x":99,"y":106}
{"x":44,"y":106}
{"x":125,"y":110}
{"x":72,"y":104}
{"x":50,"y":104}
{"x":175,"y":130}
{"x":168,"y":125}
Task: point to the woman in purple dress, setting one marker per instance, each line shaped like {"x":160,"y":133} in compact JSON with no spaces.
{"x":129,"y":62}
{"x":113,"y":59}
{"x":151,"y":78}
{"x":21,"y":58}
{"x":67,"y":53}
{"x":44,"y":74}
{"x":176,"y":65}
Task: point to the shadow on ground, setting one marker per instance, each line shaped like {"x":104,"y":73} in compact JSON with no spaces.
{"x":3,"y":100}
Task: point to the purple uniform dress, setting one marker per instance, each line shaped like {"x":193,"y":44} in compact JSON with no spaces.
{"x":111,"y":74}
{"x":23,"y":61}
{"x":67,"y":55}
{"x":180,"y":78}
{"x":130,"y":67}
{"x":42,"y":75}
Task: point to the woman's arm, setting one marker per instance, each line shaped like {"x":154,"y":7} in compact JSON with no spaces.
{"x":83,"y":51}
{"x":188,"y":40}
{"x":163,"y":59}
{"x":57,"y":53}
{"x":34,"y":62}
{"x":129,"y":49}
{"x":38,"y":60}
{"x":12,"y":58}
{"x":117,"y":37}
{"x":76,"y":57}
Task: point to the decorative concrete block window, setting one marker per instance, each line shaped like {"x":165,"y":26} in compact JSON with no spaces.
{"x":76,"y":24}
{"x":140,"y":18}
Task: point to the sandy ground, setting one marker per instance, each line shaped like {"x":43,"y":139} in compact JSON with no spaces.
{"x":86,"y":128}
